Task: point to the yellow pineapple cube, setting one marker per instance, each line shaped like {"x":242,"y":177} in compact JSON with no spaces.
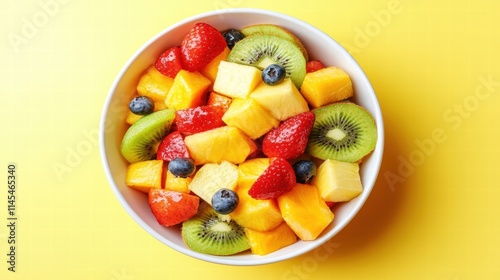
{"x":187,"y":91}
{"x":219,"y":144}
{"x":211,"y":69}
{"x":154,"y":85}
{"x":251,"y":118}
{"x":326,"y":86}
{"x":265,"y":242}
{"x":212,"y":177}
{"x":282,"y":100}
{"x":236,"y":80}
{"x":177,"y":184}
{"x":305,"y":211}
{"x":144,"y":175}
{"x":338,"y":181}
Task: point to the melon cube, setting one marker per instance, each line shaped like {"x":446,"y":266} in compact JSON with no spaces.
{"x":265,"y":242}
{"x":144,"y":175}
{"x":187,"y":91}
{"x":326,"y":86}
{"x":338,"y":181}
{"x":236,"y":80}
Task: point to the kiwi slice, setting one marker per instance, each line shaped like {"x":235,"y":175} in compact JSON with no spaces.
{"x":141,"y":139}
{"x":261,"y":50}
{"x":271,"y":29}
{"x":210,"y":233}
{"x":342,"y":131}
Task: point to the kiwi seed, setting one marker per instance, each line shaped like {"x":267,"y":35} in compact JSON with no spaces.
{"x":342,"y":131}
{"x":209,"y":233}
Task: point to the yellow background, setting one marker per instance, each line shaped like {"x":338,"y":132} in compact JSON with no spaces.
{"x":433,"y":213}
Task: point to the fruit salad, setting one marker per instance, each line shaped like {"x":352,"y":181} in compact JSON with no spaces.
{"x":242,"y":142}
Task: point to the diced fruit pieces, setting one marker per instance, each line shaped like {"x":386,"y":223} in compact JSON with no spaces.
{"x":199,"y":119}
{"x":144,"y":175}
{"x":155,"y":85}
{"x":172,"y":146}
{"x":172,"y":208}
{"x":289,"y":139}
{"x":177,"y":184}
{"x":169,"y":63}
{"x":188,"y":90}
{"x":338,"y":181}
{"x":211,"y":177}
{"x":211,"y":69}
{"x":282,"y":101}
{"x":313,"y":66}
{"x":326,"y":86}
{"x":200,"y":46}
{"x":265,"y":242}
{"x":305,"y":211}
{"x":236,"y":80}
{"x":277,"y":179}
{"x":215,"y":99}
{"x":250,"y":117}
{"x":219,"y":144}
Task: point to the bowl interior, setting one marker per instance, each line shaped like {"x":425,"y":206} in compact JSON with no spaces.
{"x":319,"y":45}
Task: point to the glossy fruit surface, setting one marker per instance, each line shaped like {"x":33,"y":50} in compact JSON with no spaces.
{"x":141,"y":105}
{"x":181,"y":167}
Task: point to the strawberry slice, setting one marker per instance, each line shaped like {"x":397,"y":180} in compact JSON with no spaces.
{"x":172,"y":147}
{"x":202,"y":44}
{"x":171,"y":207}
{"x":276,"y":180}
{"x":199,"y":119}
{"x":169,"y":62}
{"x":289,"y":139}
{"x":314,"y":65}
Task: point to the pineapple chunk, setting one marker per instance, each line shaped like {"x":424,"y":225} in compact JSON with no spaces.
{"x":211,"y":69}
{"x":212,"y":177}
{"x":282,"y":101}
{"x":305,"y":211}
{"x":187,"y":91}
{"x":236,"y":80}
{"x":338,"y":181}
{"x":154,"y":85}
{"x":263,"y":243}
{"x":250,"y":170}
{"x":144,"y":175}
{"x":219,"y":144}
{"x":177,"y":184}
{"x":250,"y":117}
{"x":326,"y":86}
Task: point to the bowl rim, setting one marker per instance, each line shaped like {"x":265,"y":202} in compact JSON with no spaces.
{"x":377,"y":154}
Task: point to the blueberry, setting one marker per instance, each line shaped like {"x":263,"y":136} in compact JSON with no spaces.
{"x":181,"y":167}
{"x":142,"y":105}
{"x":273,"y":74}
{"x":304,"y":171}
{"x":224,"y":201}
{"x":232,"y":36}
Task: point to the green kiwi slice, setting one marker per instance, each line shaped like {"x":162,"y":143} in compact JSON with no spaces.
{"x":261,"y":50}
{"x":342,"y":131}
{"x":209,"y":233}
{"x":141,"y":138}
{"x":276,"y":30}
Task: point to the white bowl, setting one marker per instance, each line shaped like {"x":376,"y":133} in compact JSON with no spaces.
{"x":112,"y":127}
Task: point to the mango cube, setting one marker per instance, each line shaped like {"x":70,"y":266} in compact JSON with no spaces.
{"x":187,"y":91}
{"x":216,"y":145}
{"x":211,"y":69}
{"x":305,"y":211}
{"x":177,"y":184}
{"x":236,"y":80}
{"x":144,"y":175}
{"x":282,"y":100}
{"x":154,"y":85}
{"x":326,"y":86}
{"x":265,"y":242}
{"x":338,"y":181}
{"x":251,"y":118}
{"x":216,"y":99}
{"x":211,"y":177}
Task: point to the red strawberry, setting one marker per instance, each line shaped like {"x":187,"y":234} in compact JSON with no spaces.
{"x":171,"y":207}
{"x":202,"y":44}
{"x":199,"y":119}
{"x":276,"y":180}
{"x":314,"y":65}
{"x":172,"y":147}
{"x":169,"y":62}
{"x":289,"y":139}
